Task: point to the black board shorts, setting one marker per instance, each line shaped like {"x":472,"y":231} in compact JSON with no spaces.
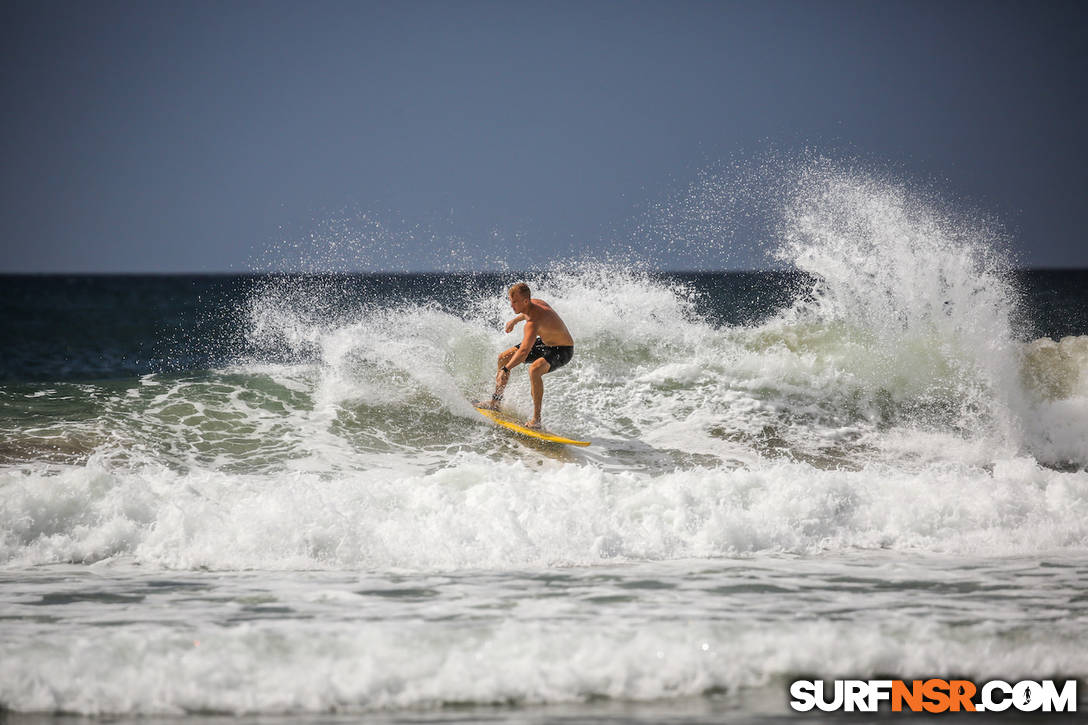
{"x":556,"y":355}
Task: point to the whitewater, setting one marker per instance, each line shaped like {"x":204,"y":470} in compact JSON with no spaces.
{"x":876,"y":471}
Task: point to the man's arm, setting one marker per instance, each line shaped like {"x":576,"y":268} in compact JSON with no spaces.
{"x":516,"y":320}
{"x":526,"y":344}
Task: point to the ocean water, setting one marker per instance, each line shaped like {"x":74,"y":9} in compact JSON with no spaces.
{"x":267,"y":498}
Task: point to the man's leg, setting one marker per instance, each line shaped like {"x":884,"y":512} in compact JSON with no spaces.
{"x":536,"y":384}
{"x":501,"y":379}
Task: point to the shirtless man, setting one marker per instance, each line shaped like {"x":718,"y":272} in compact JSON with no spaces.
{"x":546,"y":346}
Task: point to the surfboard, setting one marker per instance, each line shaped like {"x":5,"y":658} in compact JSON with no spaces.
{"x":507,"y":422}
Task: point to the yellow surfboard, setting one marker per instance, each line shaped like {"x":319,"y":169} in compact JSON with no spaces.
{"x":507,"y":422}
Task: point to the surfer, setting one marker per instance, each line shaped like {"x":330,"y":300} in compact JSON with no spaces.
{"x":546,"y":346}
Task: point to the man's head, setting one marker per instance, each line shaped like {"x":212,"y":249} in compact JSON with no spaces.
{"x":520,"y":296}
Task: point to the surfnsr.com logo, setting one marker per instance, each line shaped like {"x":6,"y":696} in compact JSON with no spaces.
{"x":934,"y":695}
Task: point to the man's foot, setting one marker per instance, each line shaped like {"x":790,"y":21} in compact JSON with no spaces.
{"x":533,"y":423}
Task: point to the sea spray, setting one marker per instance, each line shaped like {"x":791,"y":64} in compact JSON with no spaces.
{"x":928,"y":295}
{"x":923,"y":295}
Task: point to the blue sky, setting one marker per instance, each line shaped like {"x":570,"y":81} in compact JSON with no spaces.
{"x":227,"y":136}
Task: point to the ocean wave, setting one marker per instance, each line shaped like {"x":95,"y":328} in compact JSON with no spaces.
{"x":1057,"y":370}
{"x":475,"y":512}
{"x":307,"y":667}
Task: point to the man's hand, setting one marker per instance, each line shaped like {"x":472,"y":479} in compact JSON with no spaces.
{"x":501,"y":377}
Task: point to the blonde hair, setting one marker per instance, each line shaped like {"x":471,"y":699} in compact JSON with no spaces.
{"x":522,"y":289}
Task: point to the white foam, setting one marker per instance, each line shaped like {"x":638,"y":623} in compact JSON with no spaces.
{"x":476,"y":513}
